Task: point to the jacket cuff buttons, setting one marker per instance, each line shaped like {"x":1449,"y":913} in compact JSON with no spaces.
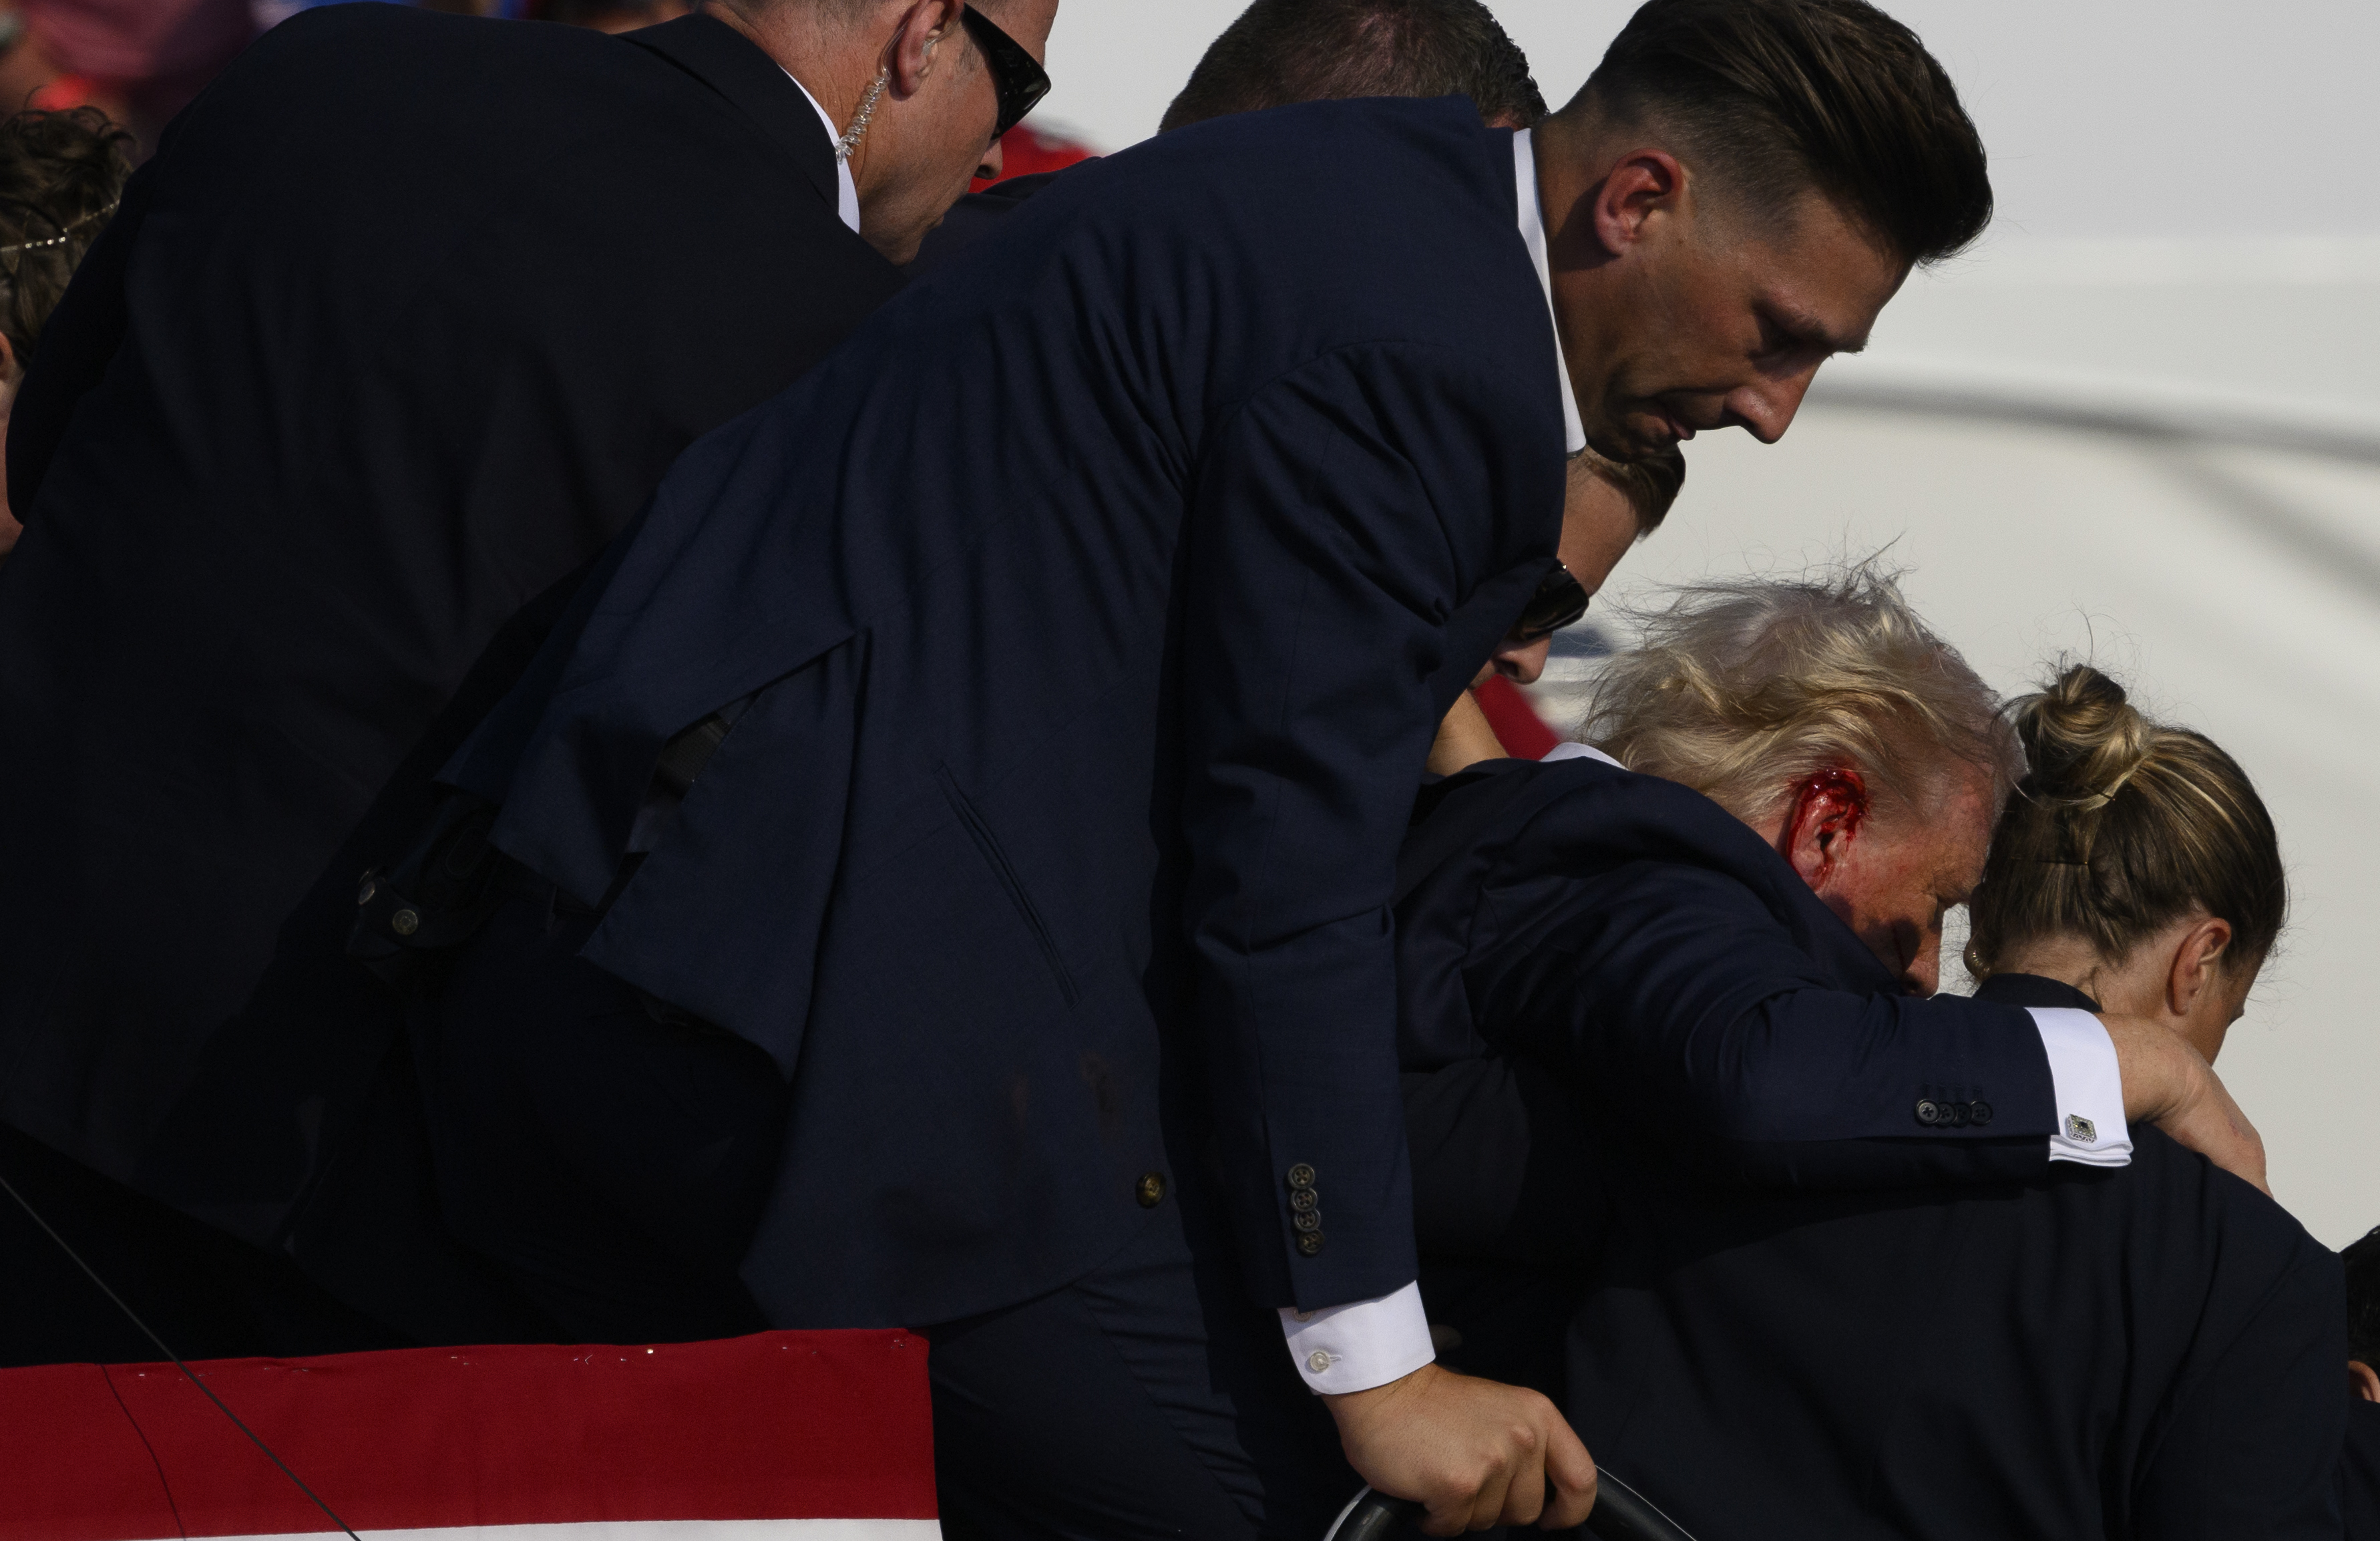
{"x":1953,"y":1115}
{"x":1305,"y":1210}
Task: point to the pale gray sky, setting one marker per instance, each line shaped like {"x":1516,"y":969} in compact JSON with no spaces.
{"x":2104,"y":117}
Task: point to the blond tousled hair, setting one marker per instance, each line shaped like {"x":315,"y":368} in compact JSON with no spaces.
{"x":1744,"y":689}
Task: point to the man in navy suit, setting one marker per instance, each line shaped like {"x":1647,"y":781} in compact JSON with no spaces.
{"x":1675,"y":1077}
{"x":947,"y":848}
{"x":406,"y":318}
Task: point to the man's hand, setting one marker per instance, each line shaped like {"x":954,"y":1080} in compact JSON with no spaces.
{"x":2171,"y":1085}
{"x":1474,"y":1452}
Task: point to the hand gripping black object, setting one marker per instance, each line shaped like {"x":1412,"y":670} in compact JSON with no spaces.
{"x":1620,"y":1513}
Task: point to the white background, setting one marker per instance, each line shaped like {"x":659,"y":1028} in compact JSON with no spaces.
{"x":2189,"y":239}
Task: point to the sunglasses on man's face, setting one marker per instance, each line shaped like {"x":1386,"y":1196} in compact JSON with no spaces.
{"x":1560,"y":601}
{"x":1017,"y":74}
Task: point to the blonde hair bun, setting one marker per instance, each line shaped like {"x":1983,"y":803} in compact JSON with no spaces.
{"x":2083,"y":739}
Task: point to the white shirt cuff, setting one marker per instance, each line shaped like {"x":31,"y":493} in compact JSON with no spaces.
{"x":1362,"y":1344}
{"x":2087,"y":1086}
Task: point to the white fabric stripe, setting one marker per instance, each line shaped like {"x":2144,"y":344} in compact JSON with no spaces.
{"x":1361,"y":1344}
{"x":846,"y":192}
{"x":2088,"y":1088}
{"x":652,"y":1530}
{"x":1578,"y":751}
{"x":1532,"y":234}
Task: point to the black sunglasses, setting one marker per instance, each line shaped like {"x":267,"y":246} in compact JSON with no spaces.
{"x":1560,"y":601}
{"x":1017,"y":74}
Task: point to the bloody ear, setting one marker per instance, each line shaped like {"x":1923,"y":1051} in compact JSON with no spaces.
{"x":1828,"y":810}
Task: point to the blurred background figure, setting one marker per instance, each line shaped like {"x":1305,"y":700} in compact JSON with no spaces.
{"x":606,"y":16}
{"x":139,"y":61}
{"x":61,"y":173}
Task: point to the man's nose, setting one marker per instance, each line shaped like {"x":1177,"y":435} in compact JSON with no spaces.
{"x":1522,"y":662}
{"x":1924,"y":974}
{"x":1766,"y":407}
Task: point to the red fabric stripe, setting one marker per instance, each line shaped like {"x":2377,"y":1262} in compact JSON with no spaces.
{"x":1518,"y":728}
{"x":780,"y":1426}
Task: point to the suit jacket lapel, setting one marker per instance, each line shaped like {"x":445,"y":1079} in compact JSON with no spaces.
{"x":735,"y":66}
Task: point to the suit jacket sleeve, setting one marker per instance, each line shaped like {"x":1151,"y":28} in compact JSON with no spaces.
{"x":1694,"y":1020}
{"x":1339,"y":519}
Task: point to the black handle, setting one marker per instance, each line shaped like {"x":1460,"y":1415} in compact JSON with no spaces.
{"x":1621,"y":1515}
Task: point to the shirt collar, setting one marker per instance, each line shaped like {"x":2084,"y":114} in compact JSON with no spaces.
{"x":846,"y":192}
{"x":1533,"y":233}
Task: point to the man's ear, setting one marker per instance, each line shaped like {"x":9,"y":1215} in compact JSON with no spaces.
{"x":2195,"y":963}
{"x":925,"y":28}
{"x":1643,"y":184}
{"x":1828,"y":813}
{"x":2361,"y":1382}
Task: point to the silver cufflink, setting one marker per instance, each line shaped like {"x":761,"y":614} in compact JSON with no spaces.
{"x":1318,"y":1361}
{"x":2081,"y":1130}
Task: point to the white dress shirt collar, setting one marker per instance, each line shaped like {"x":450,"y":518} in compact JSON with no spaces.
{"x":846,"y":192}
{"x":1533,"y":232}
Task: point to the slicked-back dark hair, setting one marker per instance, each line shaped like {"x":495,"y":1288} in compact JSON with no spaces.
{"x":1778,"y":96}
{"x":1284,"y":51}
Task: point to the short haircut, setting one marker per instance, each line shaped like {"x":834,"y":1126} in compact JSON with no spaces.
{"x":1743,"y":690}
{"x":1284,"y":51}
{"x":2362,"y":1260}
{"x":1775,"y":97}
{"x":2121,"y":826}
{"x":61,"y":173}
{"x":1651,"y":485}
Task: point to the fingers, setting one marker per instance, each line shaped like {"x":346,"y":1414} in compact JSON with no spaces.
{"x":1572,"y":1472}
{"x":1523,"y":1497}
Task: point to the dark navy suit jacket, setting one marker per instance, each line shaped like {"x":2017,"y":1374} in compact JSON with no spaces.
{"x":2151,"y":1351}
{"x":408,"y":317}
{"x":1085,"y":622}
{"x":1634,"y":939}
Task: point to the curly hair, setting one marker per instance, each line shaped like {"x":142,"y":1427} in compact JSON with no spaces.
{"x":61,"y":173}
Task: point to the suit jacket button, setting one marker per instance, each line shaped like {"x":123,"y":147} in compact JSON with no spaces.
{"x":1929,"y":1112}
{"x":1981,"y":1113}
{"x":404,"y":923}
{"x":1303,"y":1199}
{"x":1309,"y":1243}
{"x":1150,"y":1190}
{"x":1309,"y":1221}
{"x":1301,"y":1176}
{"x":1961,"y":1112}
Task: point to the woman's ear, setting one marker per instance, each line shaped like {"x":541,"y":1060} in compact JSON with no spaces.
{"x":2195,"y":964}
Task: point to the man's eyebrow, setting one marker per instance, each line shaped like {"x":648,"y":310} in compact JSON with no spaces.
{"x":1809,"y":332}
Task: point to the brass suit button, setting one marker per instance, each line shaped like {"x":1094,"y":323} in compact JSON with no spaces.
{"x":404,"y":923}
{"x":1301,"y":1176}
{"x":1150,"y":1190}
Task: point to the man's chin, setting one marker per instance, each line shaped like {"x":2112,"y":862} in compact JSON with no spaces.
{"x":1636,"y":439}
